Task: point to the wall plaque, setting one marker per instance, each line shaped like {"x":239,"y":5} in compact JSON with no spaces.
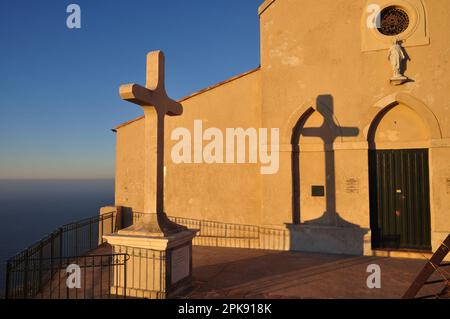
{"x":318,"y":191}
{"x":352,"y":185}
{"x":181,"y":261}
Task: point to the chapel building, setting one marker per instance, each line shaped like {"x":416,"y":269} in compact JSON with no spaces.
{"x":359,"y":91}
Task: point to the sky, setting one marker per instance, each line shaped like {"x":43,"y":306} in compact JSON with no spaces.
{"x":59,"y":86}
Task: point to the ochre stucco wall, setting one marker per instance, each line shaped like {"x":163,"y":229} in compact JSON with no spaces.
{"x":130,"y":166}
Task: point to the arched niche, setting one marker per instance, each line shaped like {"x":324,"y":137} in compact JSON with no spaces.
{"x":398,"y":126}
{"x":395,"y":106}
{"x":313,"y":162}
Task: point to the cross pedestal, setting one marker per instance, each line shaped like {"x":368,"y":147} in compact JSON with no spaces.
{"x":160,"y":250}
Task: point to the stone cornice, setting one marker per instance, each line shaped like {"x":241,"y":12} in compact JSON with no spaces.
{"x":266,"y":4}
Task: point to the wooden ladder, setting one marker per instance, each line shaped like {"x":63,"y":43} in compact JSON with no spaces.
{"x":435,"y":264}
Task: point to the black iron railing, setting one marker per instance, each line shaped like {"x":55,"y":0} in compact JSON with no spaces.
{"x":142,"y":283}
{"x":80,"y":277}
{"x":219,"y":234}
{"x":28,"y":271}
{"x":2,"y":279}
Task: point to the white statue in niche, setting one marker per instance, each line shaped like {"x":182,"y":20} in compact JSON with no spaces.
{"x":397,"y":57}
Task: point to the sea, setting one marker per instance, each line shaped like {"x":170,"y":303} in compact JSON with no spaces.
{"x":31,"y":209}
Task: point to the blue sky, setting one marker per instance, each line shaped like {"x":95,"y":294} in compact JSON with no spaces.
{"x":59,"y":86}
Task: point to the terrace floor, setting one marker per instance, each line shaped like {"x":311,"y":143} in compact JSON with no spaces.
{"x":243,"y":273}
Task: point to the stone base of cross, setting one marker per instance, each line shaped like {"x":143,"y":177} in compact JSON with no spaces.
{"x":154,"y":225}
{"x":160,"y":250}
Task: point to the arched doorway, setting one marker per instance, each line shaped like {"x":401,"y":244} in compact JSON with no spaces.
{"x":295,"y":163}
{"x":399,"y":179}
{"x":317,"y":130}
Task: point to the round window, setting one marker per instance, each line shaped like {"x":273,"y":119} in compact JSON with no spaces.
{"x":394,"y":21}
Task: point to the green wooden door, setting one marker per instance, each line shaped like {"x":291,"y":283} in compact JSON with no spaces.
{"x":400,"y":199}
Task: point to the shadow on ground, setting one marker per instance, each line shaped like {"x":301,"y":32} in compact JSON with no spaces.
{"x":242,"y":273}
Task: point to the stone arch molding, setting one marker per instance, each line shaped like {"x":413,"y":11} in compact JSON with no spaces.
{"x":416,"y":34}
{"x":305,"y":110}
{"x":408,"y":100}
{"x":293,"y":119}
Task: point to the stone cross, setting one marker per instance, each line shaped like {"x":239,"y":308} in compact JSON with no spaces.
{"x":156,"y":105}
{"x":335,"y":131}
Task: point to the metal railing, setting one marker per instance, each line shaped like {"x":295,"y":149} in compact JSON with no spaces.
{"x":220,"y":234}
{"x":146,"y":275}
{"x":2,"y":279}
{"x":93,"y":278}
{"x":28,"y":271}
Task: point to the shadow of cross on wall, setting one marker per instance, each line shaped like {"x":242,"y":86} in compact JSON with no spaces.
{"x":329,"y":132}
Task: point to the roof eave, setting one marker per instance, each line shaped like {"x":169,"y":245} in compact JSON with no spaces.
{"x":195,"y":94}
{"x":264,"y":6}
